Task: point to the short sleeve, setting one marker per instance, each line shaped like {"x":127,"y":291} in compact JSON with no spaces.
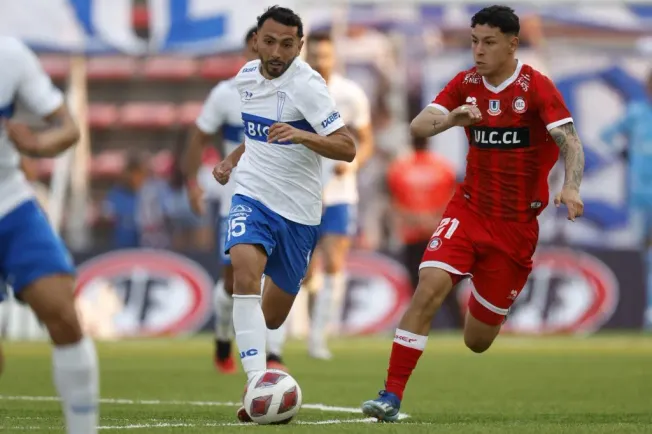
{"x":212,"y":114}
{"x":449,"y":98}
{"x":362,"y":115}
{"x":552,"y":108}
{"x":318,"y":107}
{"x":35,"y":88}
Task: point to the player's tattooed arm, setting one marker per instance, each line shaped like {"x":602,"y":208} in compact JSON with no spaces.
{"x":570,"y":147}
{"x":430,"y":122}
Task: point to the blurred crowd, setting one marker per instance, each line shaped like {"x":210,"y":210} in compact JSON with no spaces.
{"x":403,"y":188}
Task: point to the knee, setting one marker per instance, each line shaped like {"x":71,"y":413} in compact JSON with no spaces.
{"x":433,"y":287}
{"x":228,"y":283}
{"x":63,"y":325}
{"x":274,"y":322}
{"x":245,"y":282}
{"x":477,"y":344}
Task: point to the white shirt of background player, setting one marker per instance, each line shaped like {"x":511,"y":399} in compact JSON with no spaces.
{"x":354,"y":107}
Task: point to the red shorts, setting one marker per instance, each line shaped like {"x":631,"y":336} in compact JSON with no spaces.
{"x":496,"y":254}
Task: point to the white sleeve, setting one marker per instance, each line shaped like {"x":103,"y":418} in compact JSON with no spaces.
{"x":35,"y":88}
{"x":318,"y":107}
{"x":362,"y":115}
{"x":212,"y":114}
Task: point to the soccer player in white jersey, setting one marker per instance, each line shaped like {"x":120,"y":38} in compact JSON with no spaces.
{"x":221,"y":112}
{"x":339,"y":221}
{"x":33,"y":260}
{"x":290,"y":122}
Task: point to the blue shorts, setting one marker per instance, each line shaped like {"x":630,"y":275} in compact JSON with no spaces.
{"x":339,"y":219}
{"x":29,"y":248}
{"x":288,"y":245}
{"x":225,"y":258}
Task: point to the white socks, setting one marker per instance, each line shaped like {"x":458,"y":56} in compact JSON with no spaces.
{"x":224,"y":313}
{"x":327,"y":306}
{"x":76,"y":378}
{"x":276,"y":340}
{"x":250,"y":332}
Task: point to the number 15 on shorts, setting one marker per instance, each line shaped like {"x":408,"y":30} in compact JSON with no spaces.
{"x":237,"y":226}
{"x":447,"y":223}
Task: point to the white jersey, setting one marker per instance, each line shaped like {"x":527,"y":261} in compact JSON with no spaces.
{"x":353,"y":105}
{"x":285,"y":177}
{"x":221,"y":110}
{"x":21,"y":79}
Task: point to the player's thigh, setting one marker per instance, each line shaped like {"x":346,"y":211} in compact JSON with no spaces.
{"x":497,"y":281}
{"x":335,"y":248}
{"x":276,"y":304}
{"x":249,"y":242}
{"x":40,"y":270}
{"x":288,"y":264}
{"x":339,"y":224}
{"x":451,"y":247}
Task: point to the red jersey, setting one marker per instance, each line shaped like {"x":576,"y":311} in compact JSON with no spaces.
{"x":511,"y":151}
{"x":420,"y":184}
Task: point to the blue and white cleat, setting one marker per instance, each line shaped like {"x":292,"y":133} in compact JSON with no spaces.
{"x":385,"y":408}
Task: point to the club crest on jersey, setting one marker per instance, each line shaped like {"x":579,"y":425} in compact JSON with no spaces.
{"x":494,"y":107}
{"x":434,"y":244}
{"x":519,"y":105}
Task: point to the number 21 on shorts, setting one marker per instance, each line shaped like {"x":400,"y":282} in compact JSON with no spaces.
{"x":449,"y":223}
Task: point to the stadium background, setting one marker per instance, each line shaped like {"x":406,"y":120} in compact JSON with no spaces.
{"x":136,"y":73}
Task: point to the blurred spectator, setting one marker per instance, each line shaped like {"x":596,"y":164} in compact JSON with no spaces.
{"x":420,"y":185}
{"x":134,"y":207}
{"x":635,"y":127}
{"x":189,"y":231}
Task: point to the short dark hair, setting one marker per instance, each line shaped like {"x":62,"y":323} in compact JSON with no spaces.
{"x":284,"y":16}
{"x":250,"y":34}
{"x":319,"y":37}
{"x":502,"y":17}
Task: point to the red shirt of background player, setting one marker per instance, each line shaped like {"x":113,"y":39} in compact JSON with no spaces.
{"x":511,"y":152}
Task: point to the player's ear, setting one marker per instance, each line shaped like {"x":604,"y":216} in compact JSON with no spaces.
{"x":513,"y":44}
{"x":300,"y":46}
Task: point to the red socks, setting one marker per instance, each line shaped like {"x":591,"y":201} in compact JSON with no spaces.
{"x":406,"y":350}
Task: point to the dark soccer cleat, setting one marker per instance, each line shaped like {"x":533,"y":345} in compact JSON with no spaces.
{"x":243,"y":416}
{"x":385,"y":408}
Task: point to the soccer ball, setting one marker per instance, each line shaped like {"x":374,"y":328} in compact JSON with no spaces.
{"x":272,"y":397}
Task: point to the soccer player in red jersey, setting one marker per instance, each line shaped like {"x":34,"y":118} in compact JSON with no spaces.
{"x":516,"y":123}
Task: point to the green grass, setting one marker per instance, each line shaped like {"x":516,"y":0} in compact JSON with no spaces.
{"x":521,"y":385}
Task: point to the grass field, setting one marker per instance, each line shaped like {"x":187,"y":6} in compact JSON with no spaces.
{"x":521,"y":385}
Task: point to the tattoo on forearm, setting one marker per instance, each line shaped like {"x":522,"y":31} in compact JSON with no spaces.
{"x":571,"y":148}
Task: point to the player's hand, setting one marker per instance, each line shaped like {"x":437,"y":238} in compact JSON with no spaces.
{"x":23,"y":138}
{"x":570,"y":197}
{"x":280,"y":132}
{"x":341,"y":168}
{"x":196,"y":199}
{"x":222,"y":172}
{"x":465,"y":115}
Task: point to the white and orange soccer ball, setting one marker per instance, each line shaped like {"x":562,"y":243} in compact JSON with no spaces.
{"x":272,"y":397}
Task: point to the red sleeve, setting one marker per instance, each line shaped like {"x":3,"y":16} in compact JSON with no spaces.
{"x":450,"y":96}
{"x":551,"y":105}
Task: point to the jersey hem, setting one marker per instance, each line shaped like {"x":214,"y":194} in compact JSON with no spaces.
{"x":558,"y":123}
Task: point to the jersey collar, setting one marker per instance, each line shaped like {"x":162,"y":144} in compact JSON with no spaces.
{"x":504,"y":84}
{"x":279,"y":81}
